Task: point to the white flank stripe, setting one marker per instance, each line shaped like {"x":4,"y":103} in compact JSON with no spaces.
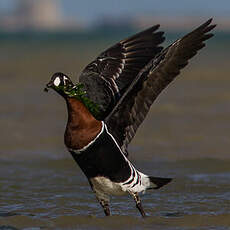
{"x":114,"y":140}
{"x":144,"y":179}
{"x":130,"y":165}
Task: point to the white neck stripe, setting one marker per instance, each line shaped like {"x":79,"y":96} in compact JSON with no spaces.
{"x":78,"y":151}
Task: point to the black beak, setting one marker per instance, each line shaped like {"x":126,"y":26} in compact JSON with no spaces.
{"x":49,"y":85}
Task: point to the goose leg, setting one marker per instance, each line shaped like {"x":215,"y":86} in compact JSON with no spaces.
{"x":102,"y":198}
{"x":138,"y":204}
{"x":105,"y":206}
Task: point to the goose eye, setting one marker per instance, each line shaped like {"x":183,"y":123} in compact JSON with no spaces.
{"x":57,"y":81}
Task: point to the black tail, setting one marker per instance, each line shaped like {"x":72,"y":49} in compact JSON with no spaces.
{"x":158,"y":182}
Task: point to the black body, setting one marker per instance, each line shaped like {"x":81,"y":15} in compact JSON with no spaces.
{"x":103,"y":158}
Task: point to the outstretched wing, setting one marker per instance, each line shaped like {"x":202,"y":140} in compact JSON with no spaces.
{"x":107,"y":78}
{"x":133,"y":107}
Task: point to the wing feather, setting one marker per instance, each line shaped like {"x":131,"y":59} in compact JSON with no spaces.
{"x":117,"y":67}
{"x":134,"y":105}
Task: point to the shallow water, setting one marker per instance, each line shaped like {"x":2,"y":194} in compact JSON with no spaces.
{"x":185,"y":136}
{"x":55,"y":195}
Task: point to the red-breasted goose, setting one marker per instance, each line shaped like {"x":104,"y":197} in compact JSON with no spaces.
{"x":110,"y":102}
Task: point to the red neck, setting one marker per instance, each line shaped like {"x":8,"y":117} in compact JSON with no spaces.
{"x":81,"y":127}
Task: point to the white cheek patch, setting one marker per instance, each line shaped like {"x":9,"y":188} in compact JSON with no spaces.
{"x":57,"y":81}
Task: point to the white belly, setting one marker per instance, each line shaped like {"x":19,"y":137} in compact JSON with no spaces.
{"x":105,"y":185}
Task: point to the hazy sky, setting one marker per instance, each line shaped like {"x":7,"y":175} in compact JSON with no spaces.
{"x":90,"y":10}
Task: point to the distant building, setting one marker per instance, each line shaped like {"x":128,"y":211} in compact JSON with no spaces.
{"x":36,"y":15}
